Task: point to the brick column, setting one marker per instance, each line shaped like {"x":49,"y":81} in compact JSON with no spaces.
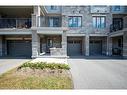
{"x":109,"y":46}
{"x":87,"y":45}
{"x":35,"y":44}
{"x":125,"y":44}
{"x":64,"y":43}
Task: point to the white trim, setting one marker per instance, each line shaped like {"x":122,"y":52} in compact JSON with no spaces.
{"x":49,"y":32}
{"x":98,"y":15}
{"x":15,"y":33}
{"x":76,"y":35}
{"x":98,"y":35}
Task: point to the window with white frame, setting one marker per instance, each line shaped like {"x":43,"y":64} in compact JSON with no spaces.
{"x":99,"y":22}
{"x":75,"y":21}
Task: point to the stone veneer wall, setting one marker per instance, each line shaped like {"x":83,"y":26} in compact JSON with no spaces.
{"x":104,"y":45}
{"x":84,"y":12}
{"x":57,"y":52}
{"x":56,"y":42}
{"x":35,"y":44}
{"x":125,"y":44}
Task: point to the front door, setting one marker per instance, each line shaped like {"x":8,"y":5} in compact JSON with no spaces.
{"x":49,"y":44}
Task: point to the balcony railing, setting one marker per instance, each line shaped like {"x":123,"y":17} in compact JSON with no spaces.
{"x":115,"y":27}
{"x":45,"y":22}
{"x":15,"y":23}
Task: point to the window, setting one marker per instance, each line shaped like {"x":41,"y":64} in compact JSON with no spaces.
{"x":118,"y":23}
{"x":54,"y":22}
{"x":99,"y":21}
{"x":75,"y":21}
{"x":49,"y":43}
{"x":53,"y":7}
{"x":116,"y":8}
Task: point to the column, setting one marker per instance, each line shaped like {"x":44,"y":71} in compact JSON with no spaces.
{"x":125,"y":44}
{"x":83,"y":46}
{"x":64,"y":43}
{"x":36,"y":16}
{"x":64,"y":21}
{"x":109,"y":46}
{"x":35,"y":44}
{"x":34,"y":20}
{"x":87,"y":45}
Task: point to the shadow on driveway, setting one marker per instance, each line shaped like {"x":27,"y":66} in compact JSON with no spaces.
{"x":98,"y":57}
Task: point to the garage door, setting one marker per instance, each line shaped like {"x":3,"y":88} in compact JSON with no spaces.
{"x":95,"y":47}
{"x":74,"y":47}
{"x":19,"y":48}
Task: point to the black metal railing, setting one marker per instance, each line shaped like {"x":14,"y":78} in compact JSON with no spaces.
{"x":115,"y":27}
{"x":15,"y":22}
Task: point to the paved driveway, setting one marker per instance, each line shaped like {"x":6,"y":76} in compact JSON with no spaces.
{"x":7,"y":64}
{"x":98,"y":74}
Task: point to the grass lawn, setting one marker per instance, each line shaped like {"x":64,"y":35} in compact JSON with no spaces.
{"x":12,"y":80}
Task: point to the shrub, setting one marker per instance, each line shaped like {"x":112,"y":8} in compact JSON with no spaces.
{"x":43,"y":65}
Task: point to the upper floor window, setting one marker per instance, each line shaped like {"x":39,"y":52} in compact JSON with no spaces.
{"x":54,"y":22}
{"x":116,"y":8}
{"x":75,"y":21}
{"x":99,"y":21}
{"x":53,"y":7}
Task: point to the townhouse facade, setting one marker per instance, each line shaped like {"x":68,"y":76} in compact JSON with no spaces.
{"x":61,"y":31}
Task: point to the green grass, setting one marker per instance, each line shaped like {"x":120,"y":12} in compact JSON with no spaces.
{"x":43,"y":65}
{"x":10,"y":80}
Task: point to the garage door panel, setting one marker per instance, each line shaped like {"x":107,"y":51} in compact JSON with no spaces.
{"x":19,"y":48}
{"x":95,"y":48}
{"x":74,"y":47}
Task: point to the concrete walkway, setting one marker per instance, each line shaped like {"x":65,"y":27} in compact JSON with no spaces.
{"x":98,"y":73}
{"x":51,"y":60}
{"x":8,"y":64}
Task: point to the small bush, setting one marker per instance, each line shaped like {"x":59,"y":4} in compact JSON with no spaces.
{"x":43,"y":65}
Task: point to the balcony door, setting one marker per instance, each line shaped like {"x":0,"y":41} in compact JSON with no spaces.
{"x":118,"y":23}
{"x":53,"y":22}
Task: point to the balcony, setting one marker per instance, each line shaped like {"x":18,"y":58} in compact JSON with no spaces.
{"x":115,"y":27}
{"x":18,"y":23}
{"x":119,"y":9}
{"x":49,"y":21}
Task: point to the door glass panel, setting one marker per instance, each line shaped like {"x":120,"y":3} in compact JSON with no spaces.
{"x":49,"y":43}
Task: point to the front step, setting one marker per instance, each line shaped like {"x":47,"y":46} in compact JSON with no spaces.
{"x":61,"y":57}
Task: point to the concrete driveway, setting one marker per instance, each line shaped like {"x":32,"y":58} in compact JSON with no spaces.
{"x":8,"y":64}
{"x":98,"y":73}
